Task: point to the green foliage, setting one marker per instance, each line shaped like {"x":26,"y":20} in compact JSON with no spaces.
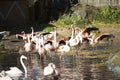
{"x":70,"y":19}
{"x":44,"y":27}
{"x":48,"y":29}
{"x":108,"y":15}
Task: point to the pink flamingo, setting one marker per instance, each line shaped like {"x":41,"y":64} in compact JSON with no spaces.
{"x":64,"y":48}
{"x":23,"y":36}
{"x":51,"y":45}
{"x":87,"y":31}
{"x":29,"y":46}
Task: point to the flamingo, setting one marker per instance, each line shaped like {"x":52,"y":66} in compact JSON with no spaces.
{"x":62,"y":41}
{"x":79,"y":36}
{"x":83,"y":35}
{"x":93,"y":41}
{"x":50,"y":70}
{"x":23,"y":36}
{"x":3,"y":76}
{"x":29,"y":46}
{"x":64,"y":47}
{"x":16,"y":72}
{"x":41,"y":49}
{"x":41,"y":38}
{"x":48,"y":35}
{"x":51,"y":45}
{"x":48,"y":45}
{"x":55,"y":44}
{"x":87,"y":31}
{"x":34,"y":36}
{"x":73,"y":41}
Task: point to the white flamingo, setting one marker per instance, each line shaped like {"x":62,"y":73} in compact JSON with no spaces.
{"x":16,"y":72}
{"x":79,"y":36}
{"x":50,"y":70}
{"x":34,"y":36}
{"x":41,"y":49}
{"x":74,"y":41}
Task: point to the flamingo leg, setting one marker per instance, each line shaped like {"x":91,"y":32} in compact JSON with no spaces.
{"x":60,"y":61}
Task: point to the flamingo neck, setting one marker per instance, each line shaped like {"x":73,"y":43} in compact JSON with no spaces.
{"x":42,"y":40}
{"x":55,"y":38}
{"x":39,"y":45}
{"x":24,"y":67}
{"x":72,"y":33}
{"x":32,"y":32}
{"x":28,"y":39}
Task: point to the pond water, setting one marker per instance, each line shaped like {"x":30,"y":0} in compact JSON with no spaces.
{"x":85,"y":66}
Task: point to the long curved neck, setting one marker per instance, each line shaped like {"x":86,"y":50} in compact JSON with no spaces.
{"x":24,"y":67}
{"x":55,"y":38}
{"x":72,"y":36}
{"x":32,"y":32}
{"x":42,"y":38}
{"x":28,"y":37}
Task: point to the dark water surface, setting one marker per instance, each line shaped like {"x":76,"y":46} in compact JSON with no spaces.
{"x":85,"y":66}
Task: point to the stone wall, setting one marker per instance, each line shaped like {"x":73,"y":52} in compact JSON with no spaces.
{"x":13,"y":12}
{"x":99,"y":3}
{"x":21,"y":12}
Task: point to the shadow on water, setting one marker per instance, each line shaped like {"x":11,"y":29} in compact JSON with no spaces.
{"x":70,"y":67}
{"x":7,"y":60}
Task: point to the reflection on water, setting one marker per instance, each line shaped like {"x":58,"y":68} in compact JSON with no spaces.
{"x":111,"y":65}
{"x":71,"y":67}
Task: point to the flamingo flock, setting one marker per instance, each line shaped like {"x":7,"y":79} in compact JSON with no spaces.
{"x":43,"y":43}
{"x":47,"y":43}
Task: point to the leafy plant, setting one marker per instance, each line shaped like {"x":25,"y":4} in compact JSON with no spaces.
{"x":70,"y":19}
{"x":48,"y":29}
{"x":108,"y":15}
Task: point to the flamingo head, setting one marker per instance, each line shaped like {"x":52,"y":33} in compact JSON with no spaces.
{"x":52,"y":65}
{"x":24,"y":57}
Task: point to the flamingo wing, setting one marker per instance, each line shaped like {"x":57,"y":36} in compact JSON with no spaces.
{"x":62,"y":42}
{"x":107,"y":36}
{"x":89,"y":29}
